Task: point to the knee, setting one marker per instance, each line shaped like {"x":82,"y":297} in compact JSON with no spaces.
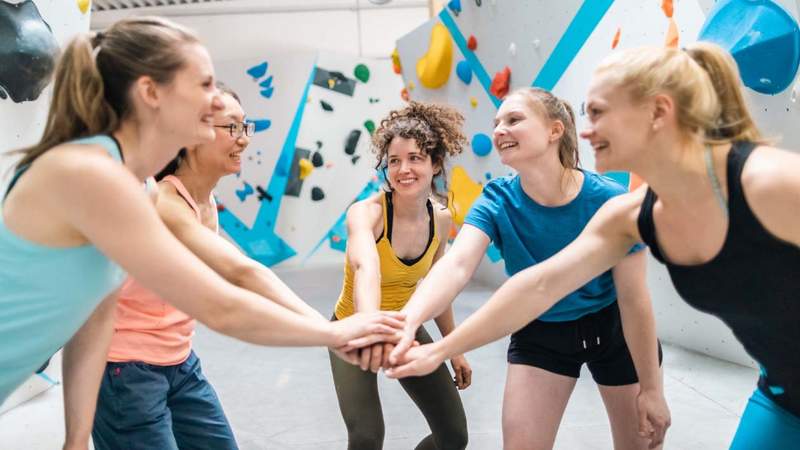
{"x":455,"y":438}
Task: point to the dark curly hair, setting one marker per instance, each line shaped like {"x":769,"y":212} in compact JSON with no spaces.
{"x":436,"y":129}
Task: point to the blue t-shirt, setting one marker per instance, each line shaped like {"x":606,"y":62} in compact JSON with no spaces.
{"x":527,"y":233}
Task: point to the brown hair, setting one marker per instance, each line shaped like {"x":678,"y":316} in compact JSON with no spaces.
{"x":703,"y":80}
{"x":436,"y":129}
{"x":553,"y":108}
{"x":173,"y":165}
{"x":94,"y":75}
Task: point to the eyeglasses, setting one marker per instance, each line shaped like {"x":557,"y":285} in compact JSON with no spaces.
{"x":239,"y":129}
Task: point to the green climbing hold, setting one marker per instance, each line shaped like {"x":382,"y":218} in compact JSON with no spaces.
{"x":370,"y":126}
{"x":362,"y":73}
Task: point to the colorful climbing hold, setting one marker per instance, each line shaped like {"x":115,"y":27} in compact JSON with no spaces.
{"x":370,"y":126}
{"x":464,"y":71}
{"x":396,"y":66}
{"x":267,"y":93}
{"x":258,"y":71}
{"x":481,"y":144}
{"x":464,"y":191}
{"x":267,"y":83}
{"x":472,"y":43}
{"x":411,"y":85}
{"x":325,"y":105}
{"x":361,"y":73}
{"x":671,"y":41}
{"x":500,"y":83}
{"x":404,"y":94}
{"x":305,"y":168}
{"x":331,"y":83}
{"x":615,"y":41}
{"x":83,"y":5}
{"x":317,"y":193}
{"x":666,"y":6}
{"x":455,"y":6}
{"x":473,"y":102}
{"x":261,"y":124}
{"x":433,"y":69}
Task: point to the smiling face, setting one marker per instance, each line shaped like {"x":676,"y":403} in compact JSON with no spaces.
{"x":408,"y":169}
{"x":619,"y":128}
{"x":223,"y":155}
{"x":188,"y":103}
{"x":521,"y":134}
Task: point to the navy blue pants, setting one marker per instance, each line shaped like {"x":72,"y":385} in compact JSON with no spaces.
{"x":144,"y":406}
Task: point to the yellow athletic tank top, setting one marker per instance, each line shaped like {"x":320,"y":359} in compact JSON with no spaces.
{"x":399,"y":278}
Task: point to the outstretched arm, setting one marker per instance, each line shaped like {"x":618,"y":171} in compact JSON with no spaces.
{"x":531,"y":292}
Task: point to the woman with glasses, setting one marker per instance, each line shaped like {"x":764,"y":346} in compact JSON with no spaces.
{"x":153,"y":391}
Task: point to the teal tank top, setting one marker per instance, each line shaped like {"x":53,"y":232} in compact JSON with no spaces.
{"x":47,"y":293}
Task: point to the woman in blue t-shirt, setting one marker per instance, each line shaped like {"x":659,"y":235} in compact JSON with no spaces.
{"x":530,"y":217}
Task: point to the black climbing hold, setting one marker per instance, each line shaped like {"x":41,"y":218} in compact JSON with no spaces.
{"x":352,"y":142}
{"x":316,"y":159}
{"x":317,"y":194}
{"x":325,"y":105}
{"x":262,"y":194}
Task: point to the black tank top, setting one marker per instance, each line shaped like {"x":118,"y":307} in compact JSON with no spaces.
{"x":753,"y":285}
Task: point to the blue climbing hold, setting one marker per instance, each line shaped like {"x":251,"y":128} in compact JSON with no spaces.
{"x":763,"y":38}
{"x":245,"y":192}
{"x":258,"y":71}
{"x":481,"y":144}
{"x":267,"y":93}
{"x":266,"y":83}
{"x":464,"y":71}
{"x":262,"y":124}
{"x":455,"y":6}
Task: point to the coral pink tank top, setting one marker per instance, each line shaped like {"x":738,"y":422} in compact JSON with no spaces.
{"x":146,"y":328}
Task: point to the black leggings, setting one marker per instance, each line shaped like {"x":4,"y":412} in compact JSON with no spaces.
{"x":435,"y":395}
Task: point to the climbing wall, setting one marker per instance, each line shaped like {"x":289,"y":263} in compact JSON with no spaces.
{"x":476,"y":50}
{"x":31,"y":34}
{"x":310,"y":157}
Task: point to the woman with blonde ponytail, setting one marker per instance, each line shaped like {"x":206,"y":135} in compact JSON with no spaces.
{"x":720,"y":212}
{"x":75,"y":217}
{"x":606,"y":324}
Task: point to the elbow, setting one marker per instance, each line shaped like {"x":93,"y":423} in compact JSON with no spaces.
{"x":242,"y":275}
{"x":219,"y":315}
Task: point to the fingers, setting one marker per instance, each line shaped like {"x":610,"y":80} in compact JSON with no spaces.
{"x":366,"y":352}
{"x":401,"y":348}
{"x":659,"y":432}
{"x":459,"y":376}
{"x":392,"y":321}
{"x":387,"y":350}
{"x":466,"y":376}
{"x":376,"y":358}
{"x":349,"y":357}
{"x":405,"y":370}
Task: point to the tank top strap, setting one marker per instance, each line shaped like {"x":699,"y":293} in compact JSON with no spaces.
{"x":647,"y":228}
{"x":175,"y":181}
{"x":740,"y":212}
{"x":387,"y":216}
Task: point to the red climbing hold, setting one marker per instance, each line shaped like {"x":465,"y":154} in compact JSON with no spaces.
{"x":500,"y":83}
{"x":220,"y":207}
{"x":472,"y":43}
{"x":615,"y":41}
{"x":404,"y":94}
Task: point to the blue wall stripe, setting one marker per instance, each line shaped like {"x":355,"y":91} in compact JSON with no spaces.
{"x":578,"y":31}
{"x":469,"y":55}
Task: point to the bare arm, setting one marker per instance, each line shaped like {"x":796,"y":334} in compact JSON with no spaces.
{"x":531,"y":292}
{"x":362,"y":255}
{"x":104,"y":203}
{"x":639,"y":327}
{"x":84,"y":359}
{"x":224,"y":258}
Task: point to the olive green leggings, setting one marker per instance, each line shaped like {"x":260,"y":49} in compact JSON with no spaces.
{"x":435,"y":395}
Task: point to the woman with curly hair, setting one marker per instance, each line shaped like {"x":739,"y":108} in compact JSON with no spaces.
{"x":394,"y":238}
{"x":606,"y":324}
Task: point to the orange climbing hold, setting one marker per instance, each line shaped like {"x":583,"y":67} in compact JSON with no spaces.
{"x":396,"y":66}
{"x":472,"y":43}
{"x":666,"y":6}
{"x":404,"y":94}
{"x":615,"y":41}
{"x":500,"y":83}
{"x":672,"y":35}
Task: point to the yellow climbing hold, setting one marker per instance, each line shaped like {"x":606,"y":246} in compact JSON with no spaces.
{"x":306,"y":167}
{"x":411,"y":85}
{"x":433,"y":69}
{"x":331,"y":83}
{"x":473,"y":102}
{"x":83,"y":5}
{"x":396,"y":66}
{"x":464,"y":192}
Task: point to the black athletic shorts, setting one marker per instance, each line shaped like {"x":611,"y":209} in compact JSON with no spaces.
{"x":563,"y":347}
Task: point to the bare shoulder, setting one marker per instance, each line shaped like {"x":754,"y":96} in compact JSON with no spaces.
{"x":172,"y":208}
{"x":443,"y":217}
{"x":619,"y":214}
{"x":366,"y":212}
{"x":772,"y":189}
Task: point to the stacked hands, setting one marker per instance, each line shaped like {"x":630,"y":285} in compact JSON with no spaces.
{"x":383,"y":339}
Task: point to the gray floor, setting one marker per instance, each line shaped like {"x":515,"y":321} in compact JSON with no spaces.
{"x":284,"y":399}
